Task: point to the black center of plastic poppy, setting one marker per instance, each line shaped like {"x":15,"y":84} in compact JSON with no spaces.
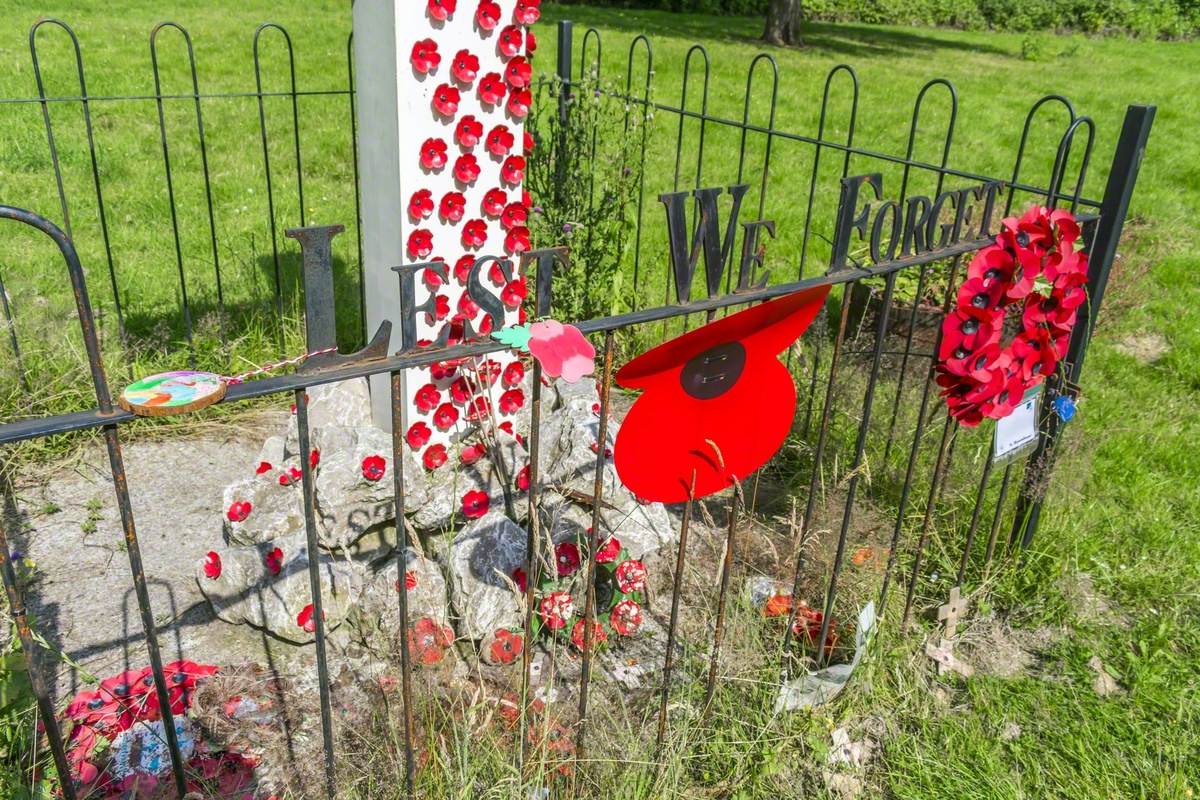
{"x":1023,"y":239}
{"x":1050,"y":303}
{"x":121,"y":690}
{"x":148,"y":681}
{"x":95,"y":703}
{"x":980,"y":362}
{"x":980,"y":300}
{"x":960,"y":353}
{"x":713,"y":372}
{"x":992,"y":274}
{"x":178,"y":678}
{"x":970,"y":326}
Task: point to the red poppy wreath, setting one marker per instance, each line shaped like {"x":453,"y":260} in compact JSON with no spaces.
{"x":1034,"y":263}
{"x":717,"y":402}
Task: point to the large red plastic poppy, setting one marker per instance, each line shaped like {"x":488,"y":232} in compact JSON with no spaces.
{"x":716,"y":401}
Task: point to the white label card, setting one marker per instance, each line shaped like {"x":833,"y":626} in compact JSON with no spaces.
{"x":1020,"y":428}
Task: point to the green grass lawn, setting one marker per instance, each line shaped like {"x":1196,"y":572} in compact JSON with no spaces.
{"x":1125,"y":510}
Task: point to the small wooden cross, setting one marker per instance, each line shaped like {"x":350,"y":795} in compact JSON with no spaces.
{"x":950,"y":613}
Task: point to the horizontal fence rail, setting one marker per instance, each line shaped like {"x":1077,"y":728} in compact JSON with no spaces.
{"x":851,"y":371}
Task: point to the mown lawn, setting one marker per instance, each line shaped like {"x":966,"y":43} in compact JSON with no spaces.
{"x":1125,"y":510}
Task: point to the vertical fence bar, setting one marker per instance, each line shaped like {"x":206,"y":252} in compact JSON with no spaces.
{"x":399,"y":426}
{"x":980,"y":496}
{"x":11,"y":325}
{"x":1122,"y":178}
{"x":948,"y":432}
{"x":723,"y":593}
{"x":645,"y":105}
{"x":673,"y":626}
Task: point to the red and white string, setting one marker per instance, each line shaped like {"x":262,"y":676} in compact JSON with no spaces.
{"x":236,"y":379}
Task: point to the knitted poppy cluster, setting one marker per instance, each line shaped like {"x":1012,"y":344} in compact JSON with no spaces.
{"x":115,"y":746}
{"x":471,"y":61}
{"x":1033,"y":267}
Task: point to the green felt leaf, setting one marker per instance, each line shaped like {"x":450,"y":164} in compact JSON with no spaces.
{"x":516,"y":337}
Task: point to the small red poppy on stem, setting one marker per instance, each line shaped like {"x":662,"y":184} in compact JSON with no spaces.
{"x":466,"y":169}
{"x":609,"y":551}
{"x":462,"y":268}
{"x":514,"y":373}
{"x":469,"y":131}
{"x":452,"y":206}
{"x":517,"y":240}
{"x":445,"y":417}
{"x":420,"y":243}
{"x":474,"y":234}
{"x":475,"y":504}
{"x":487,"y":16}
{"x":514,"y":215}
{"x":373,"y":467}
{"x":305,"y":619}
{"x":434,"y":456}
{"x":519,"y":102}
{"x":510,"y":41}
{"x":599,"y":635}
{"x":528,"y":142}
{"x":467,"y":308}
{"x":290,"y":476}
{"x":530,"y":43}
{"x":527,"y":12}
{"x":433,"y":154}
{"x":429,"y":641}
{"x":492,"y":89}
{"x":425,"y":57}
{"x":511,"y":401}
{"x":500,"y":140}
{"x":494,"y":202}
{"x":460,"y":390}
{"x":496,"y":274}
{"x":512,"y":171}
{"x":596,"y":449}
{"x":263,"y":468}
{"x":441,"y":10}
{"x":239,"y":511}
{"x":555,"y":609}
{"x":314,"y":459}
{"x":518,"y":73}
{"x":478,"y":408}
{"x":464,"y":67}
{"x":420,"y":205}
{"x":522,"y":479}
{"x":427,"y":398}
{"x":441,"y":308}
{"x":631,"y":576}
{"x":441,"y":370}
{"x":506,"y":647}
{"x":520,"y":579}
{"x":626,"y":617}
{"x":274,"y":561}
{"x":566,"y":558}
{"x":212,"y":565}
{"x":472,"y":453}
{"x":514,"y":293}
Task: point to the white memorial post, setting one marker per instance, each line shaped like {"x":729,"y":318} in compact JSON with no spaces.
{"x":443,"y":87}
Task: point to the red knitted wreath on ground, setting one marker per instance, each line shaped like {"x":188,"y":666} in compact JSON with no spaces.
{"x":1032,"y":262}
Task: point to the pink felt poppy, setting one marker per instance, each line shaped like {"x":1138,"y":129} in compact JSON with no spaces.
{"x":472,"y":453}
{"x":420,"y":205}
{"x":263,"y":468}
{"x":274,"y":561}
{"x":555,"y":609}
{"x":517,"y":240}
{"x":514,"y":373}
{"x":425,"y":57}
{"x":374,"y":466}
{"x":518,"y":73}
{"x":306,"y":621}
{"x":500,"y":140}
{"x":522,"y":480}
{"x":487,"y":15}
{"x":433,"y":154}
{"x":494,"y":202}
{"x":609,"y":551}
{"x":441,"y":10}
{"x":420,"y":243}
{"x":510,"y":42}
{"x":466,"y":169}
{"x":474,"y":234}
{"x":212,"y":565}
{"x":446,"y":99}
{"x":511,"y":401}
{"x":427,"y":398}
{"x":492,"y":89}
{"x":561,"y":350}
{"x":626,"y":617}
{"x":468,"y":132}
{"x":512,"y":171}
{"x":475,"y":504}
{"x":579,"y":632}
{"x":527,"y":12}
{"x":514,"y":293}
{"x":464,"y":67}
{"x":452,"y":206}
{"x":434,"y":456}
{"x":515,"y":215}
{"x":631,"y":576}
{"x":519,"y":102}
{"x":566,"y":558}
{"x":445,"y":417}
{"x":238,"y":511}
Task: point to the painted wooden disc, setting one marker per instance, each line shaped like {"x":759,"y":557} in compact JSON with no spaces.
{"x":172,"y":393}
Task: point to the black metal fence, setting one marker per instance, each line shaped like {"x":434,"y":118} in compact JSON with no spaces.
{"x":869,"y":343}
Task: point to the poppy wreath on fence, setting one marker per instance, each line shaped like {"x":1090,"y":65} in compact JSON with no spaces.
{"x":1033,"y":263}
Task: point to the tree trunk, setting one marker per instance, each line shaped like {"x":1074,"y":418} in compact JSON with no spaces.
{"x":783,"y":22}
